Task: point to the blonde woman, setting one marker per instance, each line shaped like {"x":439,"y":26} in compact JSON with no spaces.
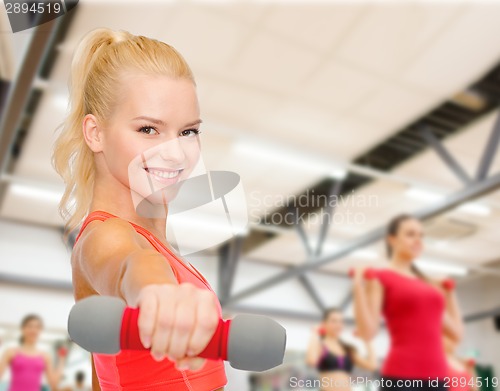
{"x":134,"y":114}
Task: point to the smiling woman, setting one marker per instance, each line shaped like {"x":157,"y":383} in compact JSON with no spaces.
{"x":133,"y":129}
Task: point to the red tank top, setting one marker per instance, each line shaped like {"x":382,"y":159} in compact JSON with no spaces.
{"x":137,"y":370}
{"x":413,"y":311}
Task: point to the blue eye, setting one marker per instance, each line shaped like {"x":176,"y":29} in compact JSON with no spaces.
{"x":148,"y":130}
{"x":190,"y":132}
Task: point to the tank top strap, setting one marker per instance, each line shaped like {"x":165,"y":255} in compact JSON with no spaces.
{"x":155,"y":242}
{"x":103,"y":216}
{"x":96,"y":215}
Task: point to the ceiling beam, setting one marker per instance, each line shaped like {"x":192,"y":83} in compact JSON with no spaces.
{"x":445,"y":155}
{"x":470,"y":192}
{"x":489,"y":151}
{"x":20,"y":89}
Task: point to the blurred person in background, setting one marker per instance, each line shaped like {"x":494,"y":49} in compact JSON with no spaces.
{"x":27,"y":363}
{"x":333,"y":358}
{"x":79,"y":383}
{"x":461,"y":371}
{"x":417,"y":310}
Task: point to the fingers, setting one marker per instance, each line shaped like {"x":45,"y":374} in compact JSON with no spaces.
{"x":177,"y":321}
{"x":148,"y":304}
{"x":185,"y":322}
{"x":207,"y":320}
{"x":165,"y":321}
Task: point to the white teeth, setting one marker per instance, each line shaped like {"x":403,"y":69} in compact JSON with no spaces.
{"x":164,"y":174}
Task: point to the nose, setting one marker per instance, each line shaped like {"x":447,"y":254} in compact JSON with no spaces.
{"x":173,"y":152}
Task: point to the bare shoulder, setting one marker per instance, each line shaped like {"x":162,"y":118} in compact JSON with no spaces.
{"x":102,"y":238}
{"x":109,"y":232}
{"x":46,"y":357}
{"x":9,"y":353}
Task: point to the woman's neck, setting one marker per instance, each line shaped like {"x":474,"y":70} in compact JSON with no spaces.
{"x":401,"y":264}
{"x":28,"y":345}
{"x":113,"y":197}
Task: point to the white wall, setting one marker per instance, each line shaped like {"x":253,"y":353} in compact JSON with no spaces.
{"x":38,"y":253}
{"x":475,"y":296}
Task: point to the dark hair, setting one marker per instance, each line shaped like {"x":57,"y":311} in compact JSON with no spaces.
{"x":349,"y":349}
{"x":392,"y":229}
{"x":80,"y":376}
{"x":28,"y":318}
{"x":328,"y":311}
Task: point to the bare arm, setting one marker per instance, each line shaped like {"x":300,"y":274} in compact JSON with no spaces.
{"x":314,"y":349}
{"x":368,"y":298}
{"x":5,"y":360}
{"x":54,"y":375}
{"x":175,"y":320}
{"x":117,"y":262}
{"x":369,"y":362}
{"x":453,"y":324}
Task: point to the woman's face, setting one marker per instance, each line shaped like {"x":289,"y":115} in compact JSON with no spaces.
{"x":407,"y":242}
{"x":31,"y":330}
{"x":334,"y":324}
{"x":151,"y":141}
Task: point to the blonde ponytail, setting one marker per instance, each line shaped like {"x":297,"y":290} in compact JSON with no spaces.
{"x":100,"y":60}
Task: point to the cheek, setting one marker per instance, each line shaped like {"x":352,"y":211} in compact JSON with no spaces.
{"x":416,"y":241}
{"x":33,"y":331}
{"x":408,"y":242}
{"x":123,"y":159}
{"x":192,"y":153}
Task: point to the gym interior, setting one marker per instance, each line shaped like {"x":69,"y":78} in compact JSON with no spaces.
{"x":329,"y":119}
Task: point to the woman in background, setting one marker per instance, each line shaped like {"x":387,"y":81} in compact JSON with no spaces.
{"x":416,"y":309}
{"x":79,"y":383}
{"x":27,"y":363}
{"x":333,"y":358}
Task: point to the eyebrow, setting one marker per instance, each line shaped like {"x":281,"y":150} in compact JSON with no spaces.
{"x":160,"y":122}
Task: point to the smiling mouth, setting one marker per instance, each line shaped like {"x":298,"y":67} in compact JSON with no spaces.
{"x":163,"y":175}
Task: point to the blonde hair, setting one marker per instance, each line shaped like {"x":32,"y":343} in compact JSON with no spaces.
{"x":101,"y":58}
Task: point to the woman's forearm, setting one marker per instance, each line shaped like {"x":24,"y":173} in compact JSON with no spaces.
{"x":143,"y":268}
{"x":454,"y":314}
{"x":313,"y":350}
{"x":371,"y":357}
{"x":364,"y":319}
{"x":57,"y":373}
{"x":59,"y":370}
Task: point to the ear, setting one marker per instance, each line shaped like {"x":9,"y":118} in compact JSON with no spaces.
{"x":92,"y":133}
